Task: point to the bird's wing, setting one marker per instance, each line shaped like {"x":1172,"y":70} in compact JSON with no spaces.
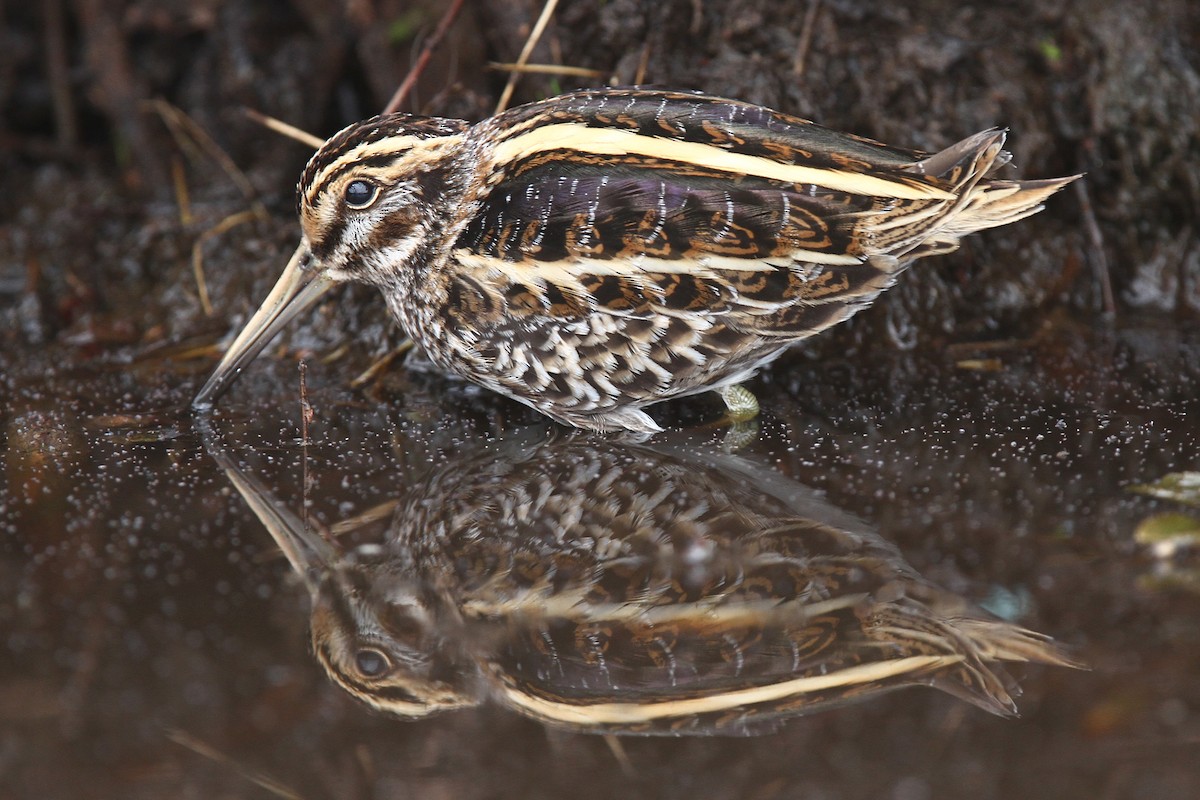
{"x":637,"y":203}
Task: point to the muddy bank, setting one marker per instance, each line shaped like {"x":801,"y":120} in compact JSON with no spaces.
{"x":108,"y":188}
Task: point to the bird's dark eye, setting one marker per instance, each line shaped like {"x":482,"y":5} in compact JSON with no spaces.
{"x":371,"y":663}
{"x":360,"y":193}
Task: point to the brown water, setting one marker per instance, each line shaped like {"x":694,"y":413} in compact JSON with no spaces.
{"x":156,"y":642}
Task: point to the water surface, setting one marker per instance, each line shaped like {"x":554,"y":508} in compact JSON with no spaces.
{"x":156,"y":642}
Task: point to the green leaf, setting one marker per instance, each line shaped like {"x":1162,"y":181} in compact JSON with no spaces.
{"x":1050,"y":51}
{"x":404,"y":27}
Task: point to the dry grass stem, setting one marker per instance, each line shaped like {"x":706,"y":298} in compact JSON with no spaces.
{"x":639,"y":77}
{"x":548,"y":69}
{"x":1096,"y":239}
{"x":182,"y":197}
{"x":411,"y":78}
{"x":531,"y":42}
{"x":617,"y":748}
{"x":191,"y":137}
{"x":230,"y":222}
{"x":371,"y":372}
{"x":58,"y":69}
{"x":202,"y":748}
{"x":806,"y":34}
{"x":374,"y":514}
{"x":281,"y":127}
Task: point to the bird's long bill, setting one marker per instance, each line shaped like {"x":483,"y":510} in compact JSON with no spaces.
{"x":307,"y":551}
{"x":296,"y":290}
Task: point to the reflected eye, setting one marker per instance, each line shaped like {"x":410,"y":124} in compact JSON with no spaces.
{"x":360,"y":193}
{"x":371,"y":663}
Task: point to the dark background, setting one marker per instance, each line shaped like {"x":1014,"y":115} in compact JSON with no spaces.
{"x":987,"y":414}
{"x":95,"y":243}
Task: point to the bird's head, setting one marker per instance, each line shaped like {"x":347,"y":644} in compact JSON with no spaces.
{"x":373,"y":194}
{"x":368,"y":200}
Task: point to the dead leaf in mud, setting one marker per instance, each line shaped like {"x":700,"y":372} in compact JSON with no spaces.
{"x":1182,"y":487}
{"x":1167,"y":534}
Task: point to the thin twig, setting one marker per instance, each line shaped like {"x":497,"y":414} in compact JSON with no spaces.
{"x":184,"y":128}
{"x":806,"y":34}
{"x":97,"y":629}
{"x":639,"y":77}
{"x":366,"y":765}
{"x":58,"y":74}
{"x":1096,"y":239}
{"x":306,"y":417}
{"x":179,"y":183}
{"x":281,"y":127}
{"x":1181,"y":286}
{"x":531,"y":42}
{"x":415,"y":72}
{"x":617,"y":748}
{"x":306,"y":412}
{"x":232,"y":221}
{"x":202,"y":748}
{"x":548,"y":69}
{"x":374,"y":514}
{"x":371,"y":372}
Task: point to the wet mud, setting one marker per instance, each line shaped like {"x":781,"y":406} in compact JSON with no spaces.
{"x":1016,"y":436}
{"x":157,"y":637}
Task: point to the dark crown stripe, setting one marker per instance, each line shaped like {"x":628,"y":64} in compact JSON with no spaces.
{"x":374,"y":130}
{"x":336,"y":170}
{"x":366,"y":144}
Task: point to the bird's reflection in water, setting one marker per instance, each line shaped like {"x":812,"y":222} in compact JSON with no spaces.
{"x":637,"y":589}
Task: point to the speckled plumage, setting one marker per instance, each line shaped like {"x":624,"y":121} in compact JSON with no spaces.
{"x":649,"y":590}
{"x":598,"y":252}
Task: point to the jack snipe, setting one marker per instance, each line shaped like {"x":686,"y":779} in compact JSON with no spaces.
{"x":615,"y":588}
{"x":598,"y":252}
